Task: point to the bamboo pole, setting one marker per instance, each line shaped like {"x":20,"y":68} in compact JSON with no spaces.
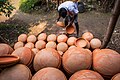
{"x":112,"y":23}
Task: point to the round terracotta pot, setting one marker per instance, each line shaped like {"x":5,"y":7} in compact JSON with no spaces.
{"x":35,"y":51}
{"x":62,"y":38}
{"x":42,"y":36}
{"x":73,"y":46}
{"x":32,"y":38}
{"x":8,"y":60}
{"x":83,"y":43}
{"x":71,"y":41}
{"x":87,"y":35}
{"x":49,"y":73}
{"x":17,"y":72}
{"x":76,"y":59}
{"x":22,"y":37}
{"x":25,"y":54}
{"x":61,"y":53}
{"x":47,"y":57}
{"x":51,"y":44}
{"x":51,"y":37}
{"x":70,"y":29}
{"x":86,"y":75}
{"x":62,"y":46}
{"x":29,"y":45}
{"x":116,"y":77}
{"x":40,"y":44}
{"x":95,"y":43}
{"x":60,"y":24}
{"x":5,"y":49}
{"x":105,"y":61}
{"x":18,"y":45}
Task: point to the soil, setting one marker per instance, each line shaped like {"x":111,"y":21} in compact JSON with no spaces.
{"x":41,"y":21}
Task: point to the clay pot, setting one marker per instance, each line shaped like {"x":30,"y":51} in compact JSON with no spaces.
{"x":8,"y":60}
{"x":29,"y":45}
{"x":49,"y":73}
{"x":40,"y":44}
{"x":73,"y":46}
{"x":71,"y":41}
{"x":22,"y":37}
{"x":62,"y":46}
{"x":18,"y":45}
{"x":87,"y":35}
{"x":62,"y":38}
{"x":95,"y":43}
{"x":106,"y":62}
{"x":76,"y":59}
{"x":70,"y":29}
{"x":17,"y":72}
{"x":42,"y":36}
{"x":60,"y":24}
{"x":47,"y":57}
{"x":83,"y":43}
{"x":31,"y":38}
{"x":51,"y":37}
{"x":35,"y":51}
{"x":86,"y":75}
{"x":25,"y":54}
{"x":116,"y":77}
{"x":5,"y":49}
{"x":51,"y":44}
{"x":60,"y":52}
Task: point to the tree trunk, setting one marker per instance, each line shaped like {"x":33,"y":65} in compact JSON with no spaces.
{"x":112,"y":23}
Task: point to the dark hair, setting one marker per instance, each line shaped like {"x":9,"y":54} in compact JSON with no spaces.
{"x":63,"y":12}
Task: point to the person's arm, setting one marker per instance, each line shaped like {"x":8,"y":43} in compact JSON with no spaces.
{"x":72,"y":20}
{"x":58,"y":18}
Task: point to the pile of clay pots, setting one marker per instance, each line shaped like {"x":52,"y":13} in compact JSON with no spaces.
{"x":58,"y":57}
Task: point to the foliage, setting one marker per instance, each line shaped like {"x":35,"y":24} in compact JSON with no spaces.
{"x":27,"y":5}
{"x":6,"y":8}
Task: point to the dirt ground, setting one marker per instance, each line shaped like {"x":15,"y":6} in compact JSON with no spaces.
{"x":39,"y":21}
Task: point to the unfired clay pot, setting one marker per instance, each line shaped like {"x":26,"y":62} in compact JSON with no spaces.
{"x":51,"y":37}
{"x":76,"y":59}
{"x":95,"y":43}
{"x":22,"y":37}
{"x":18,"y":44}
{"x":29,"y":45}
{"x":5,"y":49}
{"x":70,"y":29}
{"x":42,"y":36}
{"x":17,"y":72}
{"x":60,"y":24}
{"x":49,"y":73}
{"x":32,"y":38}
{"x":106,"y":62}
{"x":62,"y":46}
{"x":71,"y":41}
{"x":47,"y":57}
{"x":25,"y":54}
{"x":8,"y":60}
{"x":83,"y":43}
{"x":87,"y":35}
{"x":40,"y":44}
{"x":51,"y":44}
{"x":86,"y":75}
{"x":62,"y":38}
{"x":116,"y":77}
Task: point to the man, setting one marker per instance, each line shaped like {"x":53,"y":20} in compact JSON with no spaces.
{"x":69,"y":11}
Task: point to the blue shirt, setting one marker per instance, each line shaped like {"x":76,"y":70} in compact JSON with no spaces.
{"x":69,"y":6}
